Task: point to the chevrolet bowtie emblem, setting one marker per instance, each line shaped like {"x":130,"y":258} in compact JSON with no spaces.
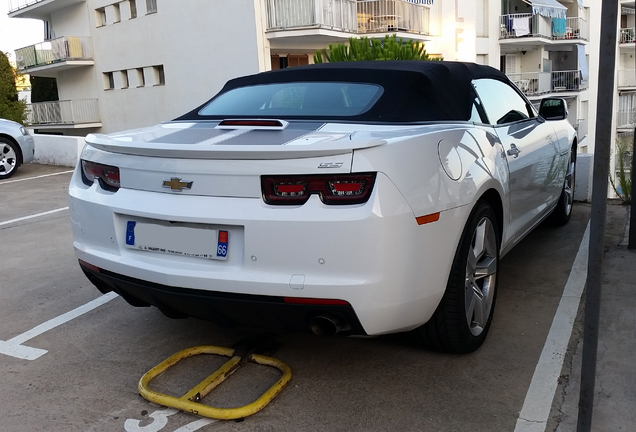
{"x":176,"y":184}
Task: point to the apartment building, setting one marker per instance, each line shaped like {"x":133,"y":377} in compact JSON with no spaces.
{"x":132,"y":63}
{"x":625,"y":87}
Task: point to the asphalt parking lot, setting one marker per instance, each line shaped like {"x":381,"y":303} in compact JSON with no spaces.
{"x":87,"y":379}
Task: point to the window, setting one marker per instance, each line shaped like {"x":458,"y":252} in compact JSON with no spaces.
{"x":116,"y":13}
{"x":151,"y":6}
{"x":109,"y":81}
{"x":477,"y":111}
{"x":501,"y":102}
{"x":141,"y":81}
{"x":133,"y":8}
{"x":303,"y":99}
{"x":158,"y":75}
{"x":100,"y":17}
{"x":124,"y":79}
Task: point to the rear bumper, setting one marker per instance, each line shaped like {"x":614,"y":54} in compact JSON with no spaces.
{"x":390,"y":270}
{"x":224,"y":309}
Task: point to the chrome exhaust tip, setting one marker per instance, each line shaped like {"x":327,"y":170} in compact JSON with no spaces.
{"x":325,"y":325}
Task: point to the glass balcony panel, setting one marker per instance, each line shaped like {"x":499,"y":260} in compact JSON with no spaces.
{"x":53,"y":51}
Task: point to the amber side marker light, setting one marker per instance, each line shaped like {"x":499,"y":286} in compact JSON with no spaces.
{"x":427,"y":219}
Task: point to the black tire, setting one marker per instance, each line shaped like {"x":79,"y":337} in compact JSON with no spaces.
{"x":9,"y":158}
{"x":563,"y":210}
{"x":448,"y":329}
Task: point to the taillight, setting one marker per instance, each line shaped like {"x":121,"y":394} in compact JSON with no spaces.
{"x":107,"y":175}
{"x":332,"y":189}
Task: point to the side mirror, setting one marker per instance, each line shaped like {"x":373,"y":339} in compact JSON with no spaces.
{"x":553,"y":109}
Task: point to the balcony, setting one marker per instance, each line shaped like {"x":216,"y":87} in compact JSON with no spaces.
{"x":627,"y":36}
{"x":38,"y":9}
{"x":516,"y":27}
{"x":626,"y":78}
{"x":71,"y":114}
{"x":314,"y":23}
{"x":49,"y":57}
{"x":541,"y":83}
{"x":381,"y":16}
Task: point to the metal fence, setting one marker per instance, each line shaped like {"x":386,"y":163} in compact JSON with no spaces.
{"x":532,"y":83}
{"x":392,"y":15}
{"x":575,"y":28}
{"x":528,"y":25}
{"x":15,"y":5}
{"x":55,"y":50}
{"x":365,"y":16}
{"x":627,"y":35}
{"x":333,"y":14}
{"x":627,"y":78}
{"x":567,"y":81}
{"x":63,"y":112}
{"x":537,"y":83}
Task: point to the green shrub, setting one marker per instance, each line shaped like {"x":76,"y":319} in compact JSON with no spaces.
{"x":10,"y":107}
{"x":363,"y":49}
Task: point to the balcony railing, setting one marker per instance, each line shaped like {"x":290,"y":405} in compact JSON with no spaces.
{"x":627,"y":78}
{"x":527,"y":25}
{"x":334,"y":14}
{"x":537,"y":83}
{"x":626,"y":119}
{"x":15,"y":5}
{"x":627,"y":35}
{"x":563,"y":81}
{"x":365,"y":16}
{"x":532,"y":83}
{"x":68,"y":112}
{"x":53,"y":51}
{"x":392,"y":15}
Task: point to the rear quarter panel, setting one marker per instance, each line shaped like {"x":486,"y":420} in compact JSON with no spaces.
{"x":439,"y":168}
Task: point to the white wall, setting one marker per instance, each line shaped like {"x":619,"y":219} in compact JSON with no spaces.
{"x":200,"y":43}
{"x":57,"y":149}
{"x":71,"y":21}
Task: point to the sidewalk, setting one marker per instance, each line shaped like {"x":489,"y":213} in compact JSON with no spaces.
{"x":615,"y":397}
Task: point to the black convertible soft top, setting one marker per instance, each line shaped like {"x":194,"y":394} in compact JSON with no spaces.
{"x":413,"y":90}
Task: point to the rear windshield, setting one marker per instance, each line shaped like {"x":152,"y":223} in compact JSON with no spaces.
{"x":298,"y":99}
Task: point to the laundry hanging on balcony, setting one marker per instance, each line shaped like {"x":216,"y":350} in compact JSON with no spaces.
{"x":548,"y":8}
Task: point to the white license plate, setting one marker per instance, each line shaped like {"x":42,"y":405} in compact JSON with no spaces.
{"x":177,"y":240}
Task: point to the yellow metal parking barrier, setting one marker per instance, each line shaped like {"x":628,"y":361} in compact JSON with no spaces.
{"x":190,"y":402}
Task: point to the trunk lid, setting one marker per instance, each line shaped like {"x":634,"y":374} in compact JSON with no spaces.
{"x":208,"y":140}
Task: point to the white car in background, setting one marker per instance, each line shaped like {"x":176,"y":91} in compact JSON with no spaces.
{"x":359,"y":198}
{"x":16,"y":147}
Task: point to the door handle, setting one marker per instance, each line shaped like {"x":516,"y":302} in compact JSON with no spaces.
{"x":514,"y":151}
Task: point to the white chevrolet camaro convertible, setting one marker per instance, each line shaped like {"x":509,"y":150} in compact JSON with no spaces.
{"x":359,"y":198}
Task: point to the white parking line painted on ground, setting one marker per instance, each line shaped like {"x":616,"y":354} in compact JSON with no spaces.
{"x":14,"y":348}
{"x":536,"y":408}
{"x":33,"y":216}
{"x":36,"y":177}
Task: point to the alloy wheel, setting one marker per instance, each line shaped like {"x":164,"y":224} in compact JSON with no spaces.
{"x":481,"y":274}
{"x":8,"y":158}
{"x":568,"y":188}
